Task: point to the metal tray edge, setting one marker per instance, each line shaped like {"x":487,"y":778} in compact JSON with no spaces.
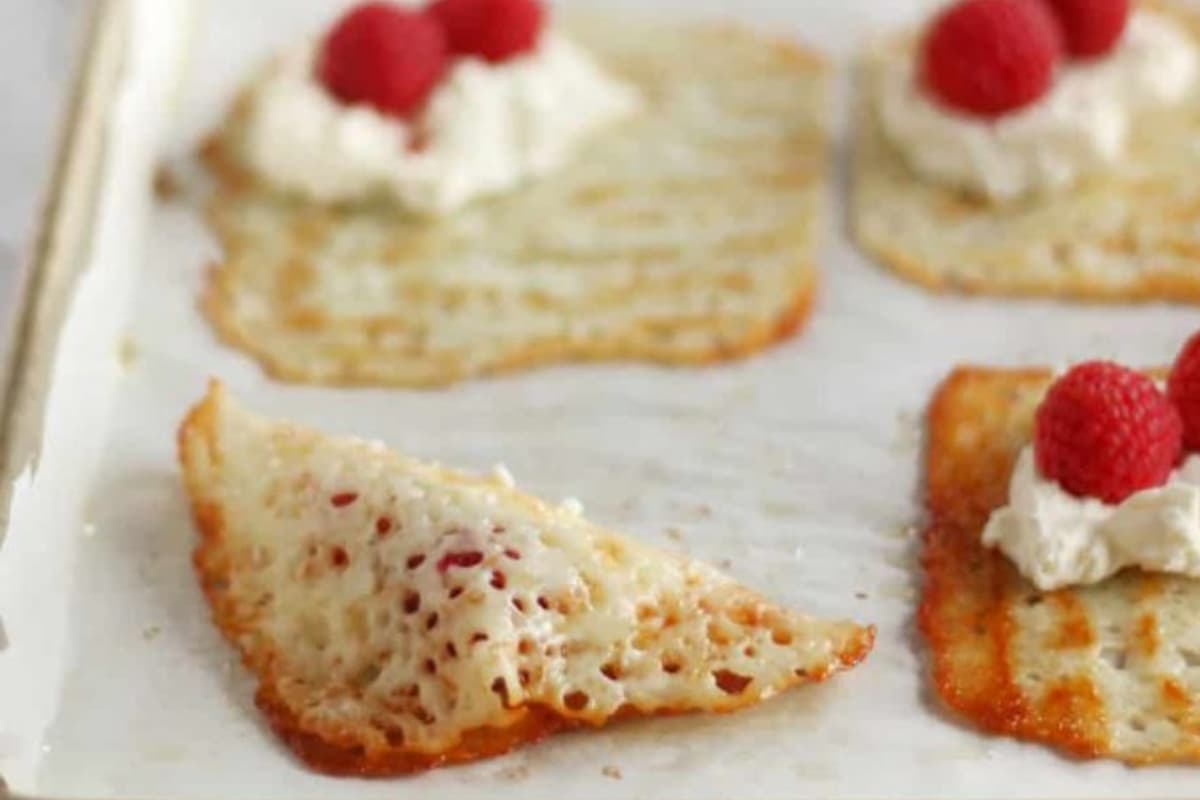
{"x":61,"y":244}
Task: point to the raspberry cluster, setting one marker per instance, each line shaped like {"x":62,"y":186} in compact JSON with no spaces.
{"x":392,"y":58}
{"x":1107,"y":431}
{"x":991,"y":57}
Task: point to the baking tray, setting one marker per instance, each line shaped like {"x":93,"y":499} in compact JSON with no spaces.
{"x":797,"y":470}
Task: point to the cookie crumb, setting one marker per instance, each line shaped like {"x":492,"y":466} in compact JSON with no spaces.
{"x":151,"y":632}
{"x":861,"y":595}
{"x":725,"y":563}
{"x":166,"y":185}
{"x":704,"y":511}
{"x":674,"y":534}
{"x":611,"y":771}
{"x":518,"y":773}
{"x":89,"y":529}
{"x":908,"y":433}
{"x":501,"y":475}
{"x":127,"y":351}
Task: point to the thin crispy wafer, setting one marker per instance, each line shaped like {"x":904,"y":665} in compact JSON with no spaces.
{"x":1130,"y":235}
{"x":399,"y":616}
{"x":685,"y":235}
{"x":1110,"y":670}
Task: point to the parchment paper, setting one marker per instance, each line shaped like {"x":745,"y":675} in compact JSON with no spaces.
{"x":797,"y":470}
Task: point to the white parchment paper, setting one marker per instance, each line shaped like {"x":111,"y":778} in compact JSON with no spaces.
{"x":797,"y":470}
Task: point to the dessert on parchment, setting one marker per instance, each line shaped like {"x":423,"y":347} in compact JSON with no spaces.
{"x":1062,"y":556}
{"x":430,"y":194}
{"x":399,"y":616}
{"x":1036,"y":147}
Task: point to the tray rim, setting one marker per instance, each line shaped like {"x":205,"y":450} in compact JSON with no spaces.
{"x":61,"y":241}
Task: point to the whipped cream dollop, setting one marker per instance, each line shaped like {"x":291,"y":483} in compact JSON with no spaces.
{"x":486,"y":129}
{"x":1080,"y":127}
{"x":1057,"y":539}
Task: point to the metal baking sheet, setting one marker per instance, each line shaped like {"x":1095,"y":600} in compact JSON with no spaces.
{"x":797,"y":469}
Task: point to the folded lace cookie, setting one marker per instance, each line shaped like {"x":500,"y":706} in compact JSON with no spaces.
{"x":626,"y":189}
{"x":1066,"y":177}
{"x":1061,"y":558}
{"x":399,"y":616}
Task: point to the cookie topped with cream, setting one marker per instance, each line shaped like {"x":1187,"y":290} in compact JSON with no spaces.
{"x":1035,"y":148}
{"x":1007,"y":98}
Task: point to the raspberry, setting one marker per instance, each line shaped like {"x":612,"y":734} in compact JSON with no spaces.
{"x":1106,"y":431}
{"x":384,"y":56}
{"x":990,"y":57}
{"x":494,"y":30}
{"x":1090,"y":28}
{"x":1183,"y":389}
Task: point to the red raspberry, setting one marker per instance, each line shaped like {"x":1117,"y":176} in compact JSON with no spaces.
{"x":494,"y":30}
{"x":1183,"y":389}
{"x":384,"y":56}
{"x":990,"y":57}
{"x":1090,"y":28}
{"x":1106,"y":431}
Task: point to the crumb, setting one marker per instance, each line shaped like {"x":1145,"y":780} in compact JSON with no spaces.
{"x":782,"y":510}
{"x":908,"y":433}
{"x":898,"y":591}
{"x":150,"y":633}
{"x":861,"y":595}
{"x":166,"y":185}
{"x":653,"y":471}
{"x":674,"y":534}
{"x":89,"y":529}
{"x":610,"y":771}
{"x":127,"y":351}
{"x":725,"y":563}
{"x":502,"y":476}
{"x":518,"y":773}
{"x":904,"y":530}
{"x":704,"y":511}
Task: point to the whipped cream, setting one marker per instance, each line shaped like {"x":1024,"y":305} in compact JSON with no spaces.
{"x":1057,"y":539}
{"x":486,"y":129}
{"x":1080,"y":127}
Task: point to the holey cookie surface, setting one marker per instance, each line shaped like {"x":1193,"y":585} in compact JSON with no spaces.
{"x":399,"y":616}
{"x":1109,"y":670}
{"x":1130,"y":234}
{"x":683,"y":235}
